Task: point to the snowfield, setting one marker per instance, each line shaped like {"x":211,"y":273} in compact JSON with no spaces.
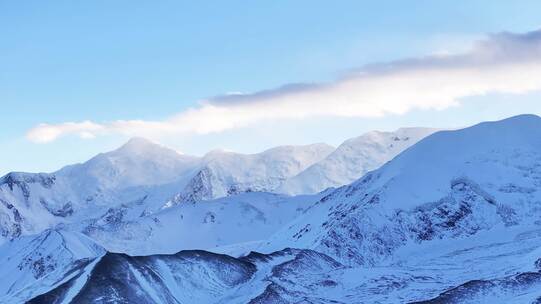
{"x":223,"y":225}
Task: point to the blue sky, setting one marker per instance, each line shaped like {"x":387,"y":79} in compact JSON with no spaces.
{"x":105,"y":61}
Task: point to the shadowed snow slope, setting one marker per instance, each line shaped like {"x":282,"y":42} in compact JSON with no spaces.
{"x":185,"y":277}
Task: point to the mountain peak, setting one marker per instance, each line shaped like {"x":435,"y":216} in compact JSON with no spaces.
{"x":518,"y":121}
{"x":524,"y":117}
{"x":218,"y":152}
{"x":141,"y":147}
{"x":139,"y":143}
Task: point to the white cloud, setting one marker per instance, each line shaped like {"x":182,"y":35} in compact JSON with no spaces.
{"x":45,"y":132}
{"x":502,"y":63}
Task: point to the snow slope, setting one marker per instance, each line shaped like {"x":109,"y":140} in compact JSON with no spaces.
{"x":233,"y":225}
{"x":451,"y":184}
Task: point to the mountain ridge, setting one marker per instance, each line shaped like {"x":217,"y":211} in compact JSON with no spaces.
{"x":141,"y":171}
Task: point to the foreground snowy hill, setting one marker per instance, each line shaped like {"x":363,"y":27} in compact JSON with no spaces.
{"x":452,"y":184}
{"x":33,"y":265}
{"x":185,"y":277}
{"x":484,"y":268}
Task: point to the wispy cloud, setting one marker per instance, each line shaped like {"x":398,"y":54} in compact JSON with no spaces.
{"x":501,"y":63}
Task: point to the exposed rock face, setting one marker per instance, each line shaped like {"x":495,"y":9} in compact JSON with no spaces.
{"x":10,"y":221}
{"x":21,"y":180}
{"x":199,"y":188}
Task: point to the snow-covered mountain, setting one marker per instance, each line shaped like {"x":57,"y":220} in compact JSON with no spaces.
{"x":142,"y":178}
{"x":139,"y":162}
{"x":452,"y":219}
{"x":296,"y":169}
{"x":354,"y":158}
{"x":480,"y":183}
{"x":451,"y":184}
{"x":225,"y":173}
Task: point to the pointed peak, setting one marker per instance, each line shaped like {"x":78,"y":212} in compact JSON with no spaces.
{"x":142,"y":145}
{"x":139,"y":142}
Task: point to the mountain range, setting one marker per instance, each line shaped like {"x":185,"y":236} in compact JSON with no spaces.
{"x":142,"y":178}
{"x":412,"y":216}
